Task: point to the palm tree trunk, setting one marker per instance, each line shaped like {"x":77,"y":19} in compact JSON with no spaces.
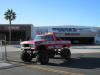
{"x":9,"y":32}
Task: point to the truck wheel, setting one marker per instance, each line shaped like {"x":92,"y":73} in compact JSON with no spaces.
{"x":66,"y":54}
{"x":26,"y":57}
{"x":43,"y":57}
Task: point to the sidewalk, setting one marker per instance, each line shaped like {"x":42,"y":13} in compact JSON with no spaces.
{"x":4,"y":64}
{"x":85,"y":49}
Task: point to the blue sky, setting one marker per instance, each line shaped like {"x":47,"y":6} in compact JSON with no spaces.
{"x":53,"y":12}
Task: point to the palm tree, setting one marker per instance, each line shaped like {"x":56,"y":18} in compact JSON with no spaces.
{"x":10,"y":15}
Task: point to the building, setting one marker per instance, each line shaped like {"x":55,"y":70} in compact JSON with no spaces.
{"x":18,"y":32}
{"x":76,"y":34}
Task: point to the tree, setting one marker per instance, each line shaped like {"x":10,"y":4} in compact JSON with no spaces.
{"x":10,"y":15}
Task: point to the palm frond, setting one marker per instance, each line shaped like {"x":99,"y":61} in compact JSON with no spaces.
{"x":10,"y":15}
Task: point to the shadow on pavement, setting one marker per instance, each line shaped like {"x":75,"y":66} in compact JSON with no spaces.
{"x":82,"y":63}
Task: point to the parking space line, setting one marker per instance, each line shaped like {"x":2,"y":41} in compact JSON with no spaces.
{"x":47,"y":69}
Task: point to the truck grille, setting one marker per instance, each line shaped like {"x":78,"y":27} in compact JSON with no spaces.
{"x":26,"y":45}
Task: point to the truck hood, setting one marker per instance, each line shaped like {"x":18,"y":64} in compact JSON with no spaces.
{"x":27,"y":42}
{"x":31,"y":42}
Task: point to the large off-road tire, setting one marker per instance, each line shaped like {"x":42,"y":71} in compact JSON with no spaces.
{"x":43,"y":57}
{"x":26,"y":57}
{"x":65,"y":53}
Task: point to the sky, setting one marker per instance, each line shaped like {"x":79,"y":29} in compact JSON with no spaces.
{"x":52,"y":12}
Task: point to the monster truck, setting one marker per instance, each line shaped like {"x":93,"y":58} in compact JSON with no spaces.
{"x":45,"y":46}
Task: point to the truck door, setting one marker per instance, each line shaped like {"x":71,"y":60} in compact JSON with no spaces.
{"x":50,"y":41}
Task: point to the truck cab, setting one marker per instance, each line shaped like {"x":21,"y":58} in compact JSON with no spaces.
{"x":46,"y":45}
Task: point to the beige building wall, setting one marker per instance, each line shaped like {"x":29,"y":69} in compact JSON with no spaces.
{"x":76,"y":34}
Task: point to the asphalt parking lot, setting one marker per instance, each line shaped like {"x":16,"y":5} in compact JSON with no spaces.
{"x":85,"y":61}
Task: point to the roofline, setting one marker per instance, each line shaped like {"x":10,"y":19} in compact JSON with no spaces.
{"x":68,"y":26}
{"x":16,"y":24}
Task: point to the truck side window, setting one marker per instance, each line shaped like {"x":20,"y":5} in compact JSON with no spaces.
{"x":50,"y":38}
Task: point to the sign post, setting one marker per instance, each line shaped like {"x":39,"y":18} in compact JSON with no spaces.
{"x":1,"y":50}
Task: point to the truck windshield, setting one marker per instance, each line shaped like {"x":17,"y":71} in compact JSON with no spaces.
{"x":40,"y":38}
{"x":48,"y":37}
